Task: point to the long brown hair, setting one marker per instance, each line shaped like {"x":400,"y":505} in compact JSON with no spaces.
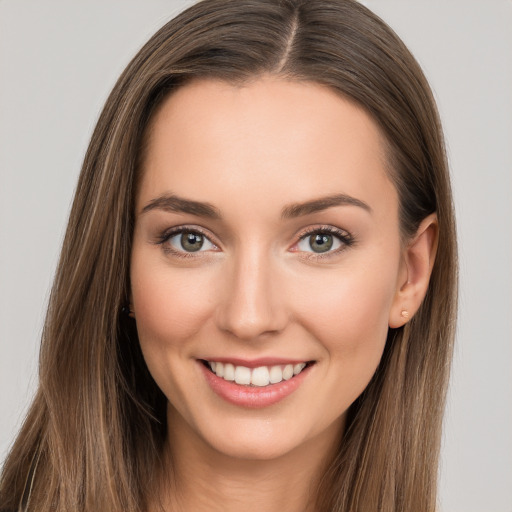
{"x":94,"y":435}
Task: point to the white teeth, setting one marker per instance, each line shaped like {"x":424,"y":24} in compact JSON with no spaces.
{"x":288,"y":372}
{"x":242,"y":375}
{"x":276,"y":374}
{"x":261,"y":376}
{"x":229,"y":372}
{"x":298,"y":368}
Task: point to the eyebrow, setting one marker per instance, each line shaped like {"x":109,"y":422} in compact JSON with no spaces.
{"x":174,"y":203}
{"x":322,"y":203}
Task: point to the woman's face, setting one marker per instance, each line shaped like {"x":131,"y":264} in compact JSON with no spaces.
{"x":266,"y":246}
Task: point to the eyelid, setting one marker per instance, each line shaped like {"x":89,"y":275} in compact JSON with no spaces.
{"x":345,"y":237}
{"x":324,"y":228}
{"x":176,"y":230}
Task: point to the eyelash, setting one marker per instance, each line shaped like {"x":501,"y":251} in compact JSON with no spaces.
{"x":167,"y":235}
{"x":346,"y":239}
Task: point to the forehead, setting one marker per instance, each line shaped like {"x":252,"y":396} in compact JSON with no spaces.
{"x":277,"y":139}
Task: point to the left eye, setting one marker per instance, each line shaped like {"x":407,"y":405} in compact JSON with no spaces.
{"x":190,"y":241}
{"x":319,"y":243}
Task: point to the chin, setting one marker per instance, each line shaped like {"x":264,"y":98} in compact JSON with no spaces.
{"x":265,"y":438}
{"x":257,"y":442}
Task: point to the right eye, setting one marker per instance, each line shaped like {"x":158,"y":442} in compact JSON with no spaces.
{"x":185,"y":242}
{"x":189,"y":241}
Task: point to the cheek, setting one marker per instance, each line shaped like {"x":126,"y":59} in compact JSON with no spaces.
{"x":347,"y":311}
{"x":170,"y":305}
{"x":347,"y":304}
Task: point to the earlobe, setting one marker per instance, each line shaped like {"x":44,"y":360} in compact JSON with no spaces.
{"x":128,"y":309}
{"x":418,"y":260}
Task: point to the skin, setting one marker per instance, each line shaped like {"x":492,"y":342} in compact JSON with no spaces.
{"x":259,"y":289}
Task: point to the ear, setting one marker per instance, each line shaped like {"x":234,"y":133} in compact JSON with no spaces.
{"x":416,"y":266}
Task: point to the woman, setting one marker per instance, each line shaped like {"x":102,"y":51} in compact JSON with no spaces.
{"x":255,"y":301}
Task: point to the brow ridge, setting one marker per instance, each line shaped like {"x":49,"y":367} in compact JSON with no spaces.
{"x":322,"y":203}
{"x":174,"y":203}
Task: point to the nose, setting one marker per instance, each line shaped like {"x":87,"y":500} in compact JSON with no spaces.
{"x":253,"y":301}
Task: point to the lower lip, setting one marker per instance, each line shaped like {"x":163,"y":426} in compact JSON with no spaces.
{"x":253,"y":397}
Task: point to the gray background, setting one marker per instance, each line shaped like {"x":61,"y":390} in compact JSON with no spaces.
{"x":58,"y":61}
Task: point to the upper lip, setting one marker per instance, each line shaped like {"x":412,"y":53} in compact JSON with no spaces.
{"x":256,"y":363}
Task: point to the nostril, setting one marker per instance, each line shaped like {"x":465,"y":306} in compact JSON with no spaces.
{"x":250,"y":303}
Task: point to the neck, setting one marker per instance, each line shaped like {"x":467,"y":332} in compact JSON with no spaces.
{"x":202,"y":479}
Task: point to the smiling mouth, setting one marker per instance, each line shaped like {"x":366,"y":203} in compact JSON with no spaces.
{"x":260,"y":376}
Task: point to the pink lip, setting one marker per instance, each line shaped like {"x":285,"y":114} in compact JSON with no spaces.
{"x":255,"y":363}
{"x":253,"y":397}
